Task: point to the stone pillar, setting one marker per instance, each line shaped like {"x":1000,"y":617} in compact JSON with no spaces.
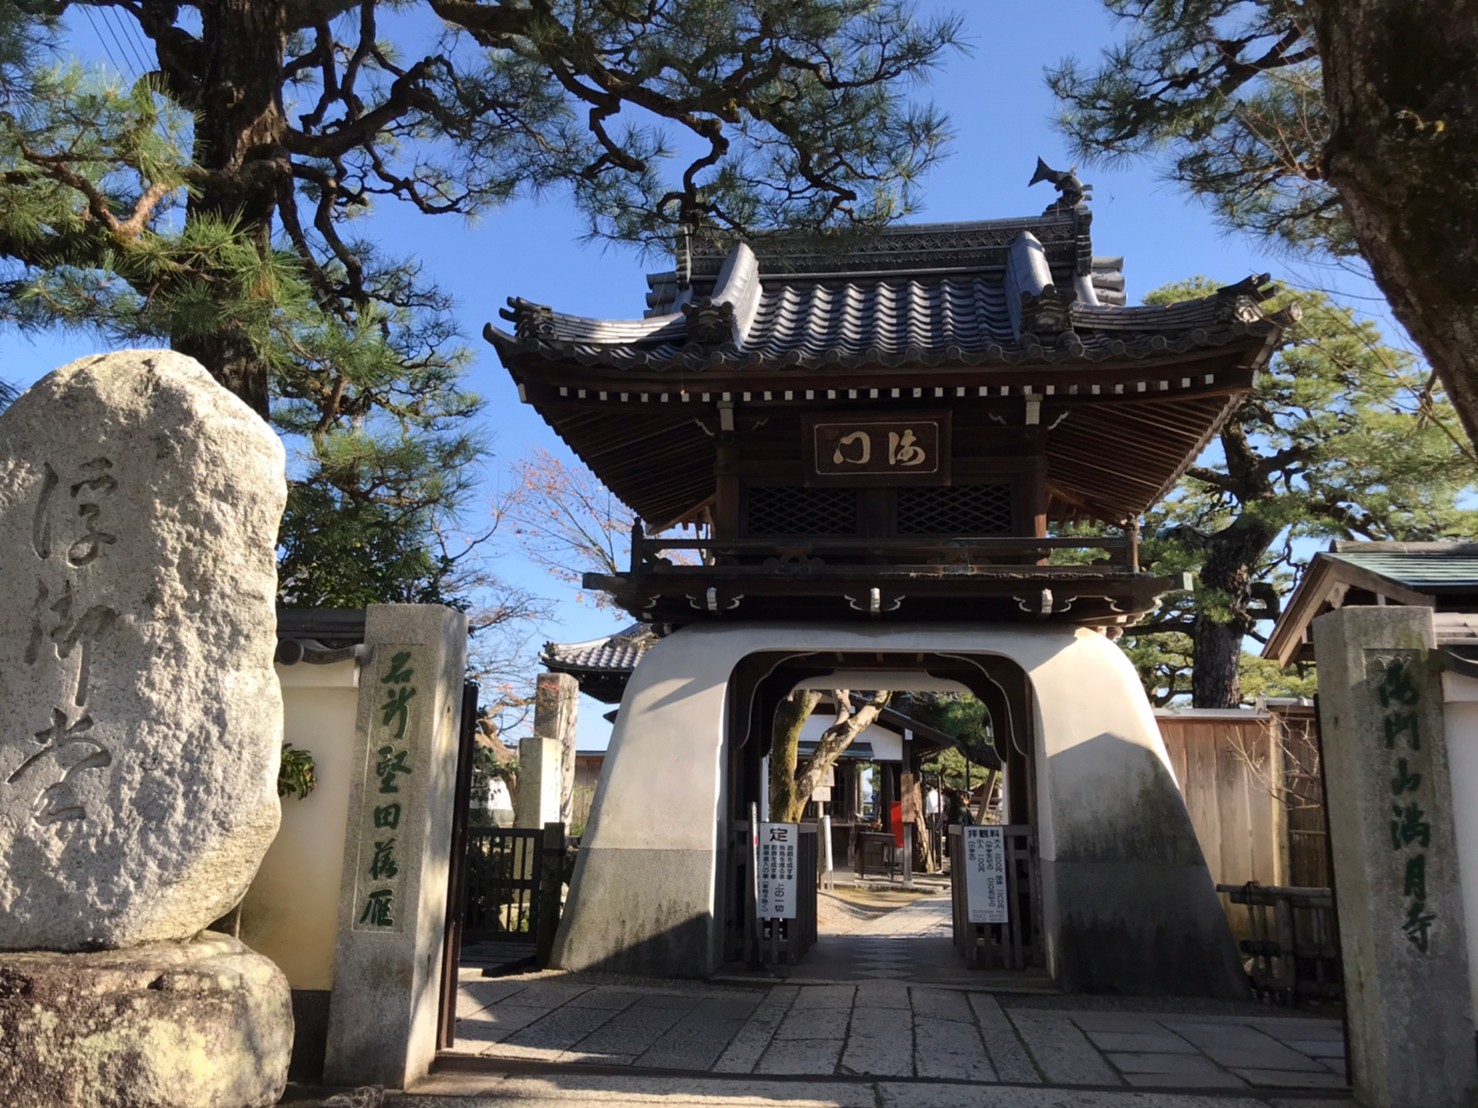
{"x":1395,"y":859}
{"x":392,"y":904}
{"x":537,"y":802}
{"x":556,"y":709}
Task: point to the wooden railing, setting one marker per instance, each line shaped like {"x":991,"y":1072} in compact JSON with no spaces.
{"x":1016,"y":944}
{"x":962,"y":554}
{"x":1293,"y":956}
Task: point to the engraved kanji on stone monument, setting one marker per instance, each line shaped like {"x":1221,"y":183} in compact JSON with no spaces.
{"x":376,"y":879}
{"x":66,"y":534}
{"x":140,"y":717}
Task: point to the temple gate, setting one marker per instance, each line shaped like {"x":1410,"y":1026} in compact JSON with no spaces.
{"x":883,"y":447}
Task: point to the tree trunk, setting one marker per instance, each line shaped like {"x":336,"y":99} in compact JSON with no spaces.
{"x":925,"y":859}
{"x":239,"y":133}
{"x":1216,"y":677}
{"x":1224,"y":597}
{"x":790,"y":717}
{"x":796,"y":782}
{"x":1401,"y":92}
{"x":1224,"y":611}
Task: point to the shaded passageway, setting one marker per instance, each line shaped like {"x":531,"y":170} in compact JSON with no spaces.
{"x":911,"y":944}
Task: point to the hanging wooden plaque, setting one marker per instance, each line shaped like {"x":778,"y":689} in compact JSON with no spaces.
{"x":913,"y":449}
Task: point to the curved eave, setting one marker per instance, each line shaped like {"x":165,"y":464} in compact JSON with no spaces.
{"x":1067,"y":349}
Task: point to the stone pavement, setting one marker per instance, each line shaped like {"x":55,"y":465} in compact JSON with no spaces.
{"x":891,"y":999}
{"x":888,"y":1029}
{"x":631,"y":1091}
{"x":883,"y":1014}
{"x":913,"y":943}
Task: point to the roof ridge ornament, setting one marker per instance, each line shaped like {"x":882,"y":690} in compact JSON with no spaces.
{"x":531,"y":322}
{"x":711,"y":322}
{"x":1242,"y":302}
{"x":1071,"y":191}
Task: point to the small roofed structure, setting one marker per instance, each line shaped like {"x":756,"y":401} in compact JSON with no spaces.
{"x":890,"y":428}
{"x":1442,"y":576}
{"x":601,"y":666}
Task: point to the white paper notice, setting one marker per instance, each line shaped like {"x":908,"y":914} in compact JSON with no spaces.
{"x":779,"y":853}
{"x":985,"y":875}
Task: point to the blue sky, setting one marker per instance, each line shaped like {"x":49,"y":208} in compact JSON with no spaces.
{"x":1001,"y":115}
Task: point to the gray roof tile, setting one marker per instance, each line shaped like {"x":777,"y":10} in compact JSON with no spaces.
{"x":1022,"y":300}
{"x":616,"y":653}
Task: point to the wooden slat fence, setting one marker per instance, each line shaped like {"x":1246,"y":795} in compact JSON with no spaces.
{"x":1251,"y":786}
{"x":1016,"y":944}
{"x":505,"y":866}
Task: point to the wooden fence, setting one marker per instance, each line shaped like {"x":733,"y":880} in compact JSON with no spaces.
{"x":512,"y":881}
{"x":1016,"y":944}
{"x":1253,"y":788}
{"x":1251,"y":785}
{"x":1293,"y":957}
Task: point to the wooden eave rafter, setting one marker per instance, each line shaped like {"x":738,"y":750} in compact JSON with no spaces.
{"x":544,"y":381}
{"x":613,"y":426}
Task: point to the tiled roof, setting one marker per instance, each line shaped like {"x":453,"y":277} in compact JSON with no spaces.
{"x":1443,"y":574}
{"x":1420,"y":567}
{"x":614,"y":654}
{"x":1003,"y":292}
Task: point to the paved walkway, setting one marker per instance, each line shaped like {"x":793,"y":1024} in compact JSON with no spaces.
{"x":556,"y":1090}
{"x":884,"y":1014}
{"x":888,"y":1029}
{"x":912,"y":943}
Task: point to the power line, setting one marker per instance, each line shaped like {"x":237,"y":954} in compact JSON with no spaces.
{"x":137,"y":45}
{"x":87,"y":11}
{"x":124,"y":67}
{"x":113,"y":34}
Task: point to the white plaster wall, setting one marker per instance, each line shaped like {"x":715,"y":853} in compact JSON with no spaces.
{"x":887,"y":746}
{"x":1084,"y":691}
{"x":1460,"y":721}
{"x":291,"y":911}
{"x":671,"y":725}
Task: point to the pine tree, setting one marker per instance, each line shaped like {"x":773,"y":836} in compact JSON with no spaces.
{"x":194,"y":209}
{"x":1341,"y":125}
{"x":1343,"y":437}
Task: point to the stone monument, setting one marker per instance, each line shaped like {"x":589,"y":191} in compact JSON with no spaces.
{"x":140,"y":731}
{"x":1394,"y":850}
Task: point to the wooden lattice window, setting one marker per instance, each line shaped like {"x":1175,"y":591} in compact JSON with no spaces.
{"x":954,"y":510}
{"x":790,"y":510}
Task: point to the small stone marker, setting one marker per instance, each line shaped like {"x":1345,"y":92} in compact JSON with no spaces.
{"x":1394,"y":850}
{"x":140,"y":718}
{"x":540,"y":772}
{"x":556,"y":710}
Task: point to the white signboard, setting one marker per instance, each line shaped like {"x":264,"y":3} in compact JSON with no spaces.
{"x":779,"y":853}
{"x":821,"y":793}
{"x":985,"y":875}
